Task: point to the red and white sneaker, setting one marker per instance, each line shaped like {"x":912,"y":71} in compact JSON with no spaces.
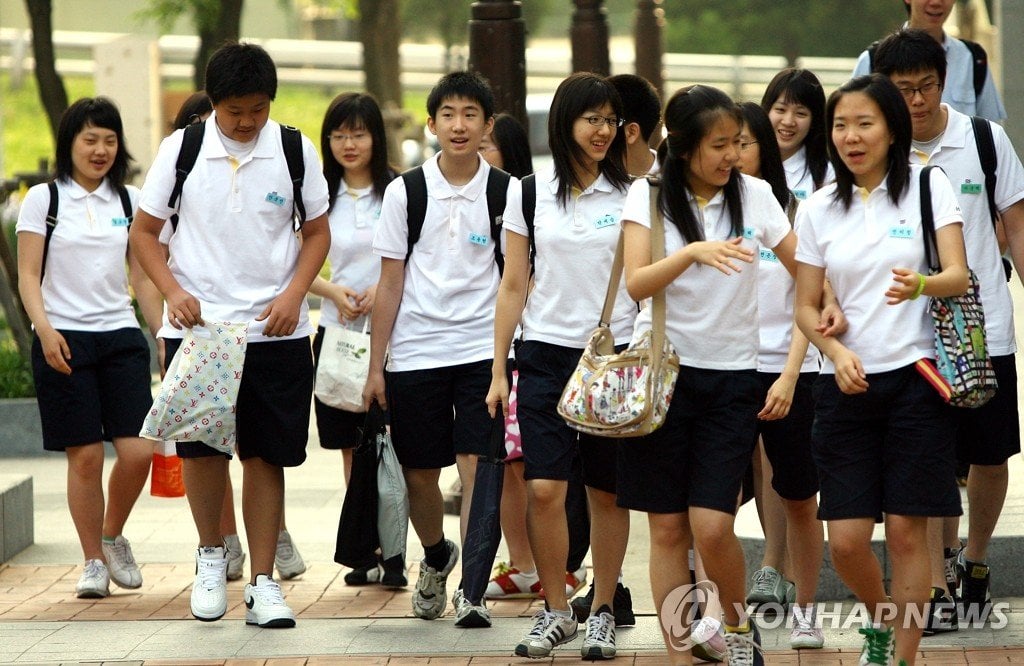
{"x":511,"y":583}
{"x":574,"y":581}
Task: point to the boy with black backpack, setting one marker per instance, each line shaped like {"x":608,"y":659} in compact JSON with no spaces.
{"x":989,"y":181}
{"x":968,"y":86}
{"x":236,"y":256}
{"x":441,"y":247}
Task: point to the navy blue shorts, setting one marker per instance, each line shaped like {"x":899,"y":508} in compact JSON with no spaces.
{"x":787,"y":442}
{"x":888,"y":450}
{"x":439,"y":412}
{"x":336,"y":428}
{"x":106,"y":396}
{"x":701,"y":454}
{"x":990,"y":434}
{"x":549,"y":445}
{"x":272,"y":413}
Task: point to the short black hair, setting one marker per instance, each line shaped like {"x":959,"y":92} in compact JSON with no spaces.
{"x":468,"y":85}
{"x":908,"y":51}
{"x":95,"y":112}
{"x":509,"y":136}
{"x":640,"y":102}
{"x":238,"y":69}
{"x":192,"y":110}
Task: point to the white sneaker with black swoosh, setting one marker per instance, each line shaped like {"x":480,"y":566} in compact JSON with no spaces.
{"x":265,"y":606}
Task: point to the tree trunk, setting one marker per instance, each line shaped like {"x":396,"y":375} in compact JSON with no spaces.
{"x":380,"y":31}
{"x":225,"y":27}
{"x":51,"y":86}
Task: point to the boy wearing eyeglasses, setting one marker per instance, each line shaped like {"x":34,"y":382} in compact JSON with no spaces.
{"x":433,"y":319}
{"x":989,"y":435}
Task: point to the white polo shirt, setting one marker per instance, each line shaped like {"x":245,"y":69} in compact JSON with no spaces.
{"x":234,"y":248}
{"x":353,"y":263}
{"x":958,"y":90}
{"x":776,"y":290}
{"x":575,"y":250}
{"x":85,"y":284}
{"x":798,"y":174}
{"x":711,"y":317}
{"x":858,"y":249}
{"x":446,"y":316}
{"x":957,"y":154}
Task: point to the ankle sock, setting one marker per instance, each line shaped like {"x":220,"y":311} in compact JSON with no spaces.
{"x":437,"y":555}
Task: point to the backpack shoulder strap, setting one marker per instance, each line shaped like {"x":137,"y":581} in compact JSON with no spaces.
{"x":497,"y":196}
{"x":415,"y":204}
{"x":931,"y":252}
{"x":529,"y":208}
{"x":872,"y":47}
{"x":291,"y":141}
{"x":51,"y":224}
{"x":191,"y":143}
{"x":989,"y":162}
{"x":980,"y":60}
{"x":126,"y":204}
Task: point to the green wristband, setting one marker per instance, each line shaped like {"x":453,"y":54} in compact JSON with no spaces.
{"x":920,"y":287}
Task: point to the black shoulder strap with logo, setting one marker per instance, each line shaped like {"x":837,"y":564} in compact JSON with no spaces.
{"x":989,"y":162}
{"x":928,"y":220}
{"x":51,"y":217}
{"x":192,"y":142}
{"x":416,"y":207}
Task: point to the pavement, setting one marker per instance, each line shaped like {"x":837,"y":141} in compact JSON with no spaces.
{"x":41,"y":622}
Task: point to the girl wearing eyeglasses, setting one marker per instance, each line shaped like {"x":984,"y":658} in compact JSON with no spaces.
{"x":687,"y":475}
{"x":795,"y":103}
{"x":576,"y":227}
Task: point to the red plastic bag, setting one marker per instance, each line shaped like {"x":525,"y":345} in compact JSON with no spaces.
{"x":165,"y":479}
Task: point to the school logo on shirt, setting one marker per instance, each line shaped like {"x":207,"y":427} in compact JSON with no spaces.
{"x":768,"y":255}
{"x":604,"y":221}
{"x":901,"y":230}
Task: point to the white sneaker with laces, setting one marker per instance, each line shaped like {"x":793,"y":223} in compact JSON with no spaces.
{"x":805,"y":635}
{"x":94,"y":582}
{"x":265,"y":606}
{"x":287,"y":559}
{"x":708,"y":637}
{"x":467,"y":615}
{"x":210,"y":589}
{"x":599,"y":643}
{"x":235,"y":556}
{"x":549,"y":631}
{"x":121,"y":563}
{"x":430,"y":595}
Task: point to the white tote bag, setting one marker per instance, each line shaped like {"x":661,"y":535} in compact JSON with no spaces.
{"x":197,"y":398}
{"x":343,"y":366}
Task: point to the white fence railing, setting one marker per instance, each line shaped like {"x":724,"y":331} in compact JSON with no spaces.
{"x":339,"y":64}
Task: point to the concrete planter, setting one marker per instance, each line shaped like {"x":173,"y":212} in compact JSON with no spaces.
{"x":20,"y":432}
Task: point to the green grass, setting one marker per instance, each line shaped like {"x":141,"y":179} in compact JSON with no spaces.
{"x":27,"y":139}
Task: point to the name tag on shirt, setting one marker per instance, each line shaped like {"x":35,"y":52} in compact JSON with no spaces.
{"x":748,"y":233}
{"x":970,"y":188}
{"x":800,"y":194}
{"x":119,"y":222}
{"x":604,"y":221}
{"x":768,"y":255}
{"x":901,"y":231}
{"x":479,"y":239}
{"x":275,"y":198}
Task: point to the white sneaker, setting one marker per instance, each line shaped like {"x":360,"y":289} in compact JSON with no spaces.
{"x":805,"y":635}
{"x":94,"y":582}
{"x":265,"y":606}
{"x":430,"y":596}
{"x":599,"y":642}
{"x":549,"y":631}
{"x":574,"y":581}
{"x":287,"y":559}
{"x":469,"y":616}
{"x":210,"y":589}
{"x":235,"y":556}
{"x":121,"y":563}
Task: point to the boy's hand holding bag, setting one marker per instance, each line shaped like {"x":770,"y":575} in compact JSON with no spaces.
{"x":625,"y":394}
{"x":198,"y":396}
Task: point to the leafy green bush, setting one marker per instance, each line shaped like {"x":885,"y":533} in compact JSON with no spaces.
{"x":15,"y":373}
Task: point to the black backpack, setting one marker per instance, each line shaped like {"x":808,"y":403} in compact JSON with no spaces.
{"x":416,"y":207}
{"x":291,"y":140}
{"x":51,"y":217}
{"x":989,"y":162}
{"x":978,"y":55}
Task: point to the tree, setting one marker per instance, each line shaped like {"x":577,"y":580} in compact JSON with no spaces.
{"x":380,"y":32}
{"x":51,"y":86}
{"x":216,"y":22}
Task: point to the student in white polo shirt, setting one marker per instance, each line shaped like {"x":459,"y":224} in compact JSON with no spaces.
{"x":989,"y":435}
{"x":576,"y":229}
{"x":90,"y":361}
{"x":687,"y":475}
{"x":795,"y":103}
{"x":235,"y":257}
{"x":432,"y":319}
{"x":882,"y":438}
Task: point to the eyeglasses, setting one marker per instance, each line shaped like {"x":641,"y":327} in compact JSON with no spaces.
{"x":597,"y":121}
{"x":746,"y":144}
{"x":925,"y":90}
{"x":356,"y":137}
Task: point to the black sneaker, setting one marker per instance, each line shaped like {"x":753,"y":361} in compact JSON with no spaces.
{"x":949,"y":570}
{"x":973,"y":594}
{"x":623,"y":602}
{"x":368,"y":575}
{"x":394,"y":573}
{"x":942,"y":613}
